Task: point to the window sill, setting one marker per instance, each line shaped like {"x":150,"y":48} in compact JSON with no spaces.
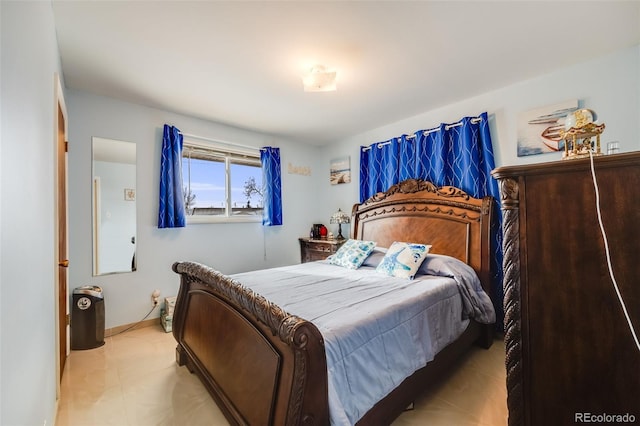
{"x":195,"y":220}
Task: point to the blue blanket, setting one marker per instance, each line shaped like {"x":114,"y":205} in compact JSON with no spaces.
{"x":378,"y":330}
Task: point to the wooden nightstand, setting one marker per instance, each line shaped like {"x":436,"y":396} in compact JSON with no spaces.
{"x":311,"y":250}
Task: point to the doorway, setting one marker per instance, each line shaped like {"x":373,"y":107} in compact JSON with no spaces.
{"x":61,"y":223}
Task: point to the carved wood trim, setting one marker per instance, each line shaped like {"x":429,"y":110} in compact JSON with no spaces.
{"x":299,"y":376}
{"x":411,"y":186}
{"x":295,"y":415}
{"x":444,"y":201}
{"x":405,"y":187}
{"x":509,"y":192}
{"x":448,"y":210}
{"x":281,"y":323}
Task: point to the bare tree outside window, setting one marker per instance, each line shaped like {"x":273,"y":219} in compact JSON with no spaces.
{"x":251,"y":188}
{"x":189,"y":200}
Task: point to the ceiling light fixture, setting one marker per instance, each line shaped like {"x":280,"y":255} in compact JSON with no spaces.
{"x":319,"y":79}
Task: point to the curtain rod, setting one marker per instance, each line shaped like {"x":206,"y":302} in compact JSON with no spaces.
{"x":424,"y":132}
{"x":447,"y":127}
{"x":233,"y":144}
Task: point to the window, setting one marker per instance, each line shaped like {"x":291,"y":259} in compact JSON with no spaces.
{"x":221,"y":183}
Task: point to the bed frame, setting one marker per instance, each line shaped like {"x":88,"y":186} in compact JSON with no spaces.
{"x":263,"y":366}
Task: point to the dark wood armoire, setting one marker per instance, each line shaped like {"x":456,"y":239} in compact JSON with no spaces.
{"x":570,"y":353}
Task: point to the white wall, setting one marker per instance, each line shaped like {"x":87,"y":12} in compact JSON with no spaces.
{"x":605,"y":84}
{"x":230,"y":248}
{"x":608,"y":84}
{"x":28,"y":260}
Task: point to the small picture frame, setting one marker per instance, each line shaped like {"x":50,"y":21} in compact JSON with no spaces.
{"x":340,"y":170}
{"x":129,"y":194}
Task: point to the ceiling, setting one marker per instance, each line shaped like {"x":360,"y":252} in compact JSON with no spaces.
{"x":240,"y":63}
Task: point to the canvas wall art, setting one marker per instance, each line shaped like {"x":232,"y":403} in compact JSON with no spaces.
{"x":539,"y":130}
{"x":340,"y":170}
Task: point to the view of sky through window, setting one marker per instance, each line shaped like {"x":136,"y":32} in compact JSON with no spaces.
{"x":207,"y":179}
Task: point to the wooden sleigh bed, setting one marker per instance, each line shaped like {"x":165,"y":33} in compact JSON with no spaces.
{"x":264,"y":366}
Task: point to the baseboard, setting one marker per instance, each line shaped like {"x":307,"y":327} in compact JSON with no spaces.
{"x":146,"y":323}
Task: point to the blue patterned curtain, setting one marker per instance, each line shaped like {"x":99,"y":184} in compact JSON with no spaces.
{"x":171,"y":212}
{"x":379,"y":167}
{"x":271,"y":179}
{"x":459,"y":155}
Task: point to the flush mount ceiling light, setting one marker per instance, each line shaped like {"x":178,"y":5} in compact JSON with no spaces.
{"x":319,"y":79}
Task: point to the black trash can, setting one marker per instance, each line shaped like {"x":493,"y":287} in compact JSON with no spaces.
{"x":87,"y":318}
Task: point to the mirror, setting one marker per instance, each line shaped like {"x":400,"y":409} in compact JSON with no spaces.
{"x":113,"y":206}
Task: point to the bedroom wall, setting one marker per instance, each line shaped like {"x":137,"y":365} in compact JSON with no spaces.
{"x":28,"y":263}
{"x":230,"y":248}
{"x":610,"y":85}
{"x":602,"y":84}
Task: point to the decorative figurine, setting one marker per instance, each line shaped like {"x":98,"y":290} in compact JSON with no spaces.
{"x":579,"y":129}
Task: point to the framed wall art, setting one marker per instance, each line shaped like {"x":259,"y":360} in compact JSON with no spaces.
{"x":129,"y":194}
{"x":539,"y":130}
{"x":340,"y":170}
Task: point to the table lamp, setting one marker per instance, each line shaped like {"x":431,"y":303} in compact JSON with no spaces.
{"x":340,"y":217}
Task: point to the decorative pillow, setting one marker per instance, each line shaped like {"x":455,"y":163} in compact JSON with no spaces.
{"x":375,"y":257}
{"x":403,"y":259}
{"x":352,"y":253}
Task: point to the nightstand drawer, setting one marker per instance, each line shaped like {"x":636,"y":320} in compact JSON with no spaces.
{"x":312,"y":250}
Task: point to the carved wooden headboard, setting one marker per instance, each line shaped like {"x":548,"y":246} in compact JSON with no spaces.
{"x":417,"y":211}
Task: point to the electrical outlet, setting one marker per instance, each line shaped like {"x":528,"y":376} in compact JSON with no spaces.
{"x":154,"y":297}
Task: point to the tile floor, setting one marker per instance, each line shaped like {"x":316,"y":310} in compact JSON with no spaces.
{"x":133,"y":380}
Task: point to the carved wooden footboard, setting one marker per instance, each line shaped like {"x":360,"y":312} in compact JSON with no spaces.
{"x":240,"y":345}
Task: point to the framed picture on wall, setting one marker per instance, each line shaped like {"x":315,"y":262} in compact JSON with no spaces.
{"x":539,"y":130}
{"x":129,"y":194}
{"x":340,"y":170}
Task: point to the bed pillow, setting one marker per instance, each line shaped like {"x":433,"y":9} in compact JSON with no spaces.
{"x":352,"y":253}
{"x":403,"y":259}
{"x":442,"y":265}
{"x":376,"y":256}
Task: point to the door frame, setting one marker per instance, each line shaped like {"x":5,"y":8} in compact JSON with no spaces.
{"x":60,"y":301}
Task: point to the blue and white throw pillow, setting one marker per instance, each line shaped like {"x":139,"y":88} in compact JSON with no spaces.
{"x":403,"y":259}
{"x":352,"y":253}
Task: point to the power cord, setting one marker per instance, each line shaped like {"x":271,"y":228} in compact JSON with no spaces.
{"x":137,"y":323}
{"x":608,"y":255}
